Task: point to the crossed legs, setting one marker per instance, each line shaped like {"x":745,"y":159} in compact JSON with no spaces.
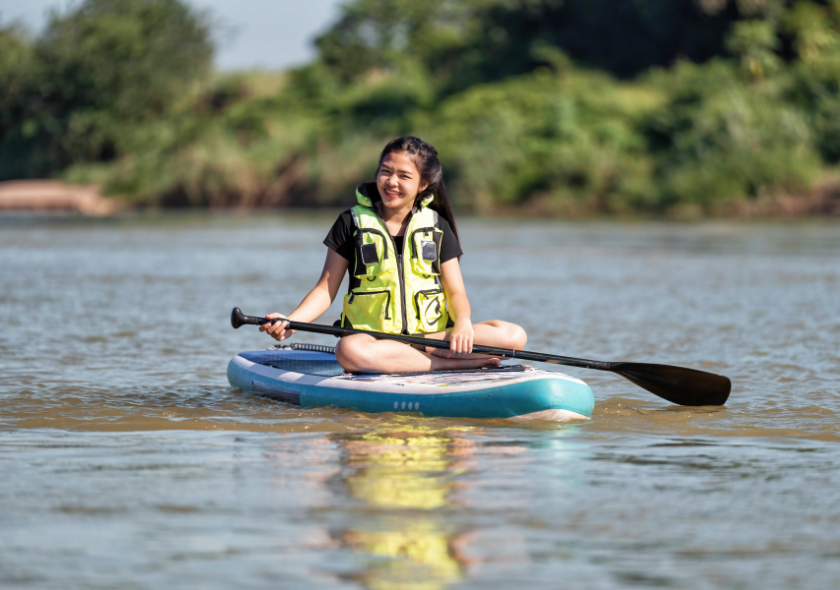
{"x":361,"y":353}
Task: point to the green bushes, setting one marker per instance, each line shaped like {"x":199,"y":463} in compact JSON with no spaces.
{"x":720,"y":140}
{"x":93,"y":79}
{"x":119,"y":92}
{"x":571,"y":140}
{"x":17,"y":129}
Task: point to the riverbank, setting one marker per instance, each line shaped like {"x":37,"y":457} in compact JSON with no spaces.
{"x":51,"y":196}
{"x":54,"y":196}
{"x":821,"y":202}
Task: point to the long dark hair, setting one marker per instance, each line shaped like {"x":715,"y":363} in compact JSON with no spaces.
{"x":425,"y":157}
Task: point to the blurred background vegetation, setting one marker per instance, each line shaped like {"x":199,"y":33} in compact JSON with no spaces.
{"x":546,"y":107}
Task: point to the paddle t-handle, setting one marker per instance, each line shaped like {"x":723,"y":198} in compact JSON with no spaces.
{"x":237,"y":318}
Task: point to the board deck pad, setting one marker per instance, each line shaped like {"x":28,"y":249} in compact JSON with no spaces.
{"x":297,"y":361}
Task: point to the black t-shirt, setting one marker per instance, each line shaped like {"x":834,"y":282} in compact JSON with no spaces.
{"x":340,"y":238}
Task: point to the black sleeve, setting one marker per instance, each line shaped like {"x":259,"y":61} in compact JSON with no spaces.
{"x":340,"y":237}
{"x":449,"y":246}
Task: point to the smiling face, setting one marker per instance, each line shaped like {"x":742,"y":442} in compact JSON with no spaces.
{"x":398,"y":181}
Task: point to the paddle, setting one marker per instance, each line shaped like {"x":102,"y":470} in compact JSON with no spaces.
{"x":678,"y":385}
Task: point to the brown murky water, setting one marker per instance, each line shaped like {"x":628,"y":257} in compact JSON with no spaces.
{"x":127,"y":461}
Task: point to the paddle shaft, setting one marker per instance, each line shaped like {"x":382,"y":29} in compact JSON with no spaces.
{"x":679,"y":385}
{"x":477,"y":348}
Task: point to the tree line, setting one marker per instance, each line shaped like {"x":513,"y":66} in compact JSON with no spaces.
{"x":566,"y":107}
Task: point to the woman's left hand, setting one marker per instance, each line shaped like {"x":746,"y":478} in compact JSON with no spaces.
{"x":461,"y":338}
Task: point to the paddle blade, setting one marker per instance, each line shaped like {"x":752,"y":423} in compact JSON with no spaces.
{"x":678,"y":385}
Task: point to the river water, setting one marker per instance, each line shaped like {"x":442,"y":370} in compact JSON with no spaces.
{"x":126,"y":460}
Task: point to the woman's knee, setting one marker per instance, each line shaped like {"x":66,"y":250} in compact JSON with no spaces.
{"x":508,"y":335}
{"x":350,"y":352}
{"x":516,"y":336}
{"x":345,"y":354}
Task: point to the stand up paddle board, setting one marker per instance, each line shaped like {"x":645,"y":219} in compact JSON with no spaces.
{"x":309,"y":375}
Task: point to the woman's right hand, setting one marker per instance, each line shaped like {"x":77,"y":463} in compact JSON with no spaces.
{"x":277,"y":330}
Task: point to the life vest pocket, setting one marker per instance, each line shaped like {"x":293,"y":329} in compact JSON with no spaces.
{"x":373,"y":253}
{"x":428,"y":251}
{"x":369,"y":254}
{"x":369,"y":310}
{"x":430,"y":307}
{"x":425,"y":250}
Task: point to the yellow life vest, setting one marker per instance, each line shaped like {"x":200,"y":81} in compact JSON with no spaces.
{"x":390,"y":293}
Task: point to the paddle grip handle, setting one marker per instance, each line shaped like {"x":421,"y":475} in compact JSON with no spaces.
{"x":237,"y":318}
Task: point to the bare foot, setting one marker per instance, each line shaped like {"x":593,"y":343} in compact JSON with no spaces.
{"x":442,"y":363}
{"x":447,"y":354}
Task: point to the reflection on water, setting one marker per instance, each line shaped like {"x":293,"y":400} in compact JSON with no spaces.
{"x":409,"y":472}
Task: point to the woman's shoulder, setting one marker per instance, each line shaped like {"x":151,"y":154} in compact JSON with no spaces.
{"x":340,"y":235}
{"x":443,"y":224}
{"x":450,"y":246}
{"x":344,"y":221}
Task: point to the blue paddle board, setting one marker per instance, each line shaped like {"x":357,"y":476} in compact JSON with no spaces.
{"x":309,"y":376}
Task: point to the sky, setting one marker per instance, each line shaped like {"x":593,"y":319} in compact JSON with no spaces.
{"x":250,"y":34}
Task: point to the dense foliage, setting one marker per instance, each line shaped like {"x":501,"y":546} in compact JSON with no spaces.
{"x":545,"y":106}
{"x":84,"y":89}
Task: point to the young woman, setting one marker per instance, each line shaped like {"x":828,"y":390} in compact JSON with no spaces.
{"x":401,"y":247}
